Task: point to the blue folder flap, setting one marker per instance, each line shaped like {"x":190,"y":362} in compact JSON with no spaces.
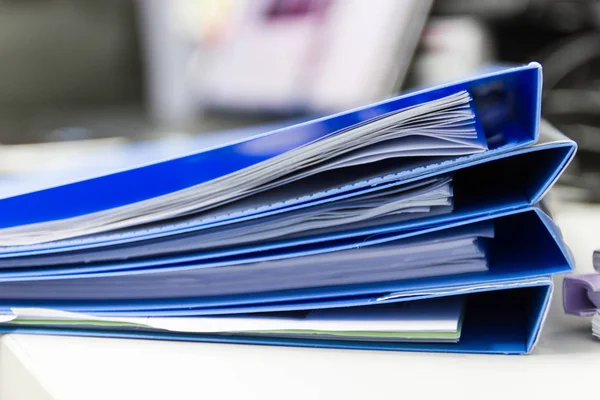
{"x":524,"y":247}
{"x":507,"y":103}
{"x":481,"y":187}
{"x":498,"y":320}
{"x":539,"y":231}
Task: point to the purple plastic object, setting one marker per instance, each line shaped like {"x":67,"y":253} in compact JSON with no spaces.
{"x":576,"y":294}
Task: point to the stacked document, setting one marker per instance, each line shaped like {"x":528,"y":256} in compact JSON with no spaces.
{"x":410,"y":224}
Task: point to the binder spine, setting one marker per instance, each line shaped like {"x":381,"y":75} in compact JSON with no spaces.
{"x":534,"y":336}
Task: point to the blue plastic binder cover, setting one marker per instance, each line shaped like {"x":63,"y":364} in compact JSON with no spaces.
{"x":167,"y":271}
{"x":483,"y":186}
{"x":501,"y":318}
{"x":526,"y":244}
{"x":507,"y":106}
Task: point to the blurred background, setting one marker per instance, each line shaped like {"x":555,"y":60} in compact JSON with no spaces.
{"x":78,"y":75}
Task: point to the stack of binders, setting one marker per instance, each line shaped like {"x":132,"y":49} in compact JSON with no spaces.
{"x":410,"y":224}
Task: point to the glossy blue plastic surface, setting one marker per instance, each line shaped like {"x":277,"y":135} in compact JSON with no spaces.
{"x":526,"y":245}
{"x":518,"y":98}
{"x":506,"y":304}
{"x":499,"y":321}
{"x":509,"y":181}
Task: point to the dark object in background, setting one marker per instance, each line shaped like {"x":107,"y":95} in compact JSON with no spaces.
{"x":63,"y":59}
{"x":572,"y":103}
{"x":565,"y":37}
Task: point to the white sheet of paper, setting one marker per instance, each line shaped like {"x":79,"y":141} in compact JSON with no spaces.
{"x":422,"y":316}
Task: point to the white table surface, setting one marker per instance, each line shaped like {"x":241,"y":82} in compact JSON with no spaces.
{"x":565,"y":362}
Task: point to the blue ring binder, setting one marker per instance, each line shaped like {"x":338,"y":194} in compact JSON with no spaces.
{"x":428,"y":195}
